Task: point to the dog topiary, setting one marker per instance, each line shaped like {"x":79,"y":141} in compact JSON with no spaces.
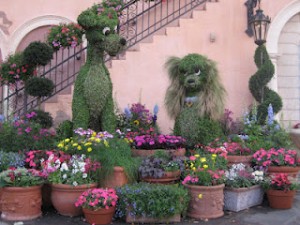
{"x":195,"y":98}
{"x":92,"y":105}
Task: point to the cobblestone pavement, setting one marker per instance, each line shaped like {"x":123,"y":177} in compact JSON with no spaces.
{"x":259,"y":215}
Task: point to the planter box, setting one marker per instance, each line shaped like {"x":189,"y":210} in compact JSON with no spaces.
{"x":237,"y":199}
{"x":140,"y":219}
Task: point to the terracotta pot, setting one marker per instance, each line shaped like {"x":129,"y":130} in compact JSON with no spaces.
{"x":64,"y":196}
{"x":142,"y":219}
{"x":117,"y":179}
{"x":236,"y":159}
{"x":99,"y":216}
{"x":290,"y":170}
{"x":21,"y":203}
{"x":146,"y":152}
{"x":206,"y":201}
{"x":281,"y":199}
{"x":168,"y":178}
{"x":237,"y":199}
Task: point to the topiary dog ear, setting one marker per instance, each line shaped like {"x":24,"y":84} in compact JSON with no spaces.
{"x":175,"y":92}
{"x":89,"y":18}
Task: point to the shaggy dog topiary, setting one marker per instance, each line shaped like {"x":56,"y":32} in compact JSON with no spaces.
{"x":92,"y":105}
{"x":195,"y":98}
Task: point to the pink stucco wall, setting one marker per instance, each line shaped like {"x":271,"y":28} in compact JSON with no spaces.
{"x":141,"y":76}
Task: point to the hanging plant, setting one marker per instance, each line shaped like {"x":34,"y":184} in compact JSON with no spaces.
{"x":15,"y":70}
{"x":38,"y":53}
{"x":65,"y":35}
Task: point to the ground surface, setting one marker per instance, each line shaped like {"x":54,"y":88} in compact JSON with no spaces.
{"x":260,"y":215}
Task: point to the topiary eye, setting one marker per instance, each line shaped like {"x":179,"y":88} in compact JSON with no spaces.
{"x":106,"y":31}
{"x":197,"y":71}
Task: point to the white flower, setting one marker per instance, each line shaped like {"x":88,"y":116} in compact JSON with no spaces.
{"x":84,"y":175}
{"x":64,"y":167}
{"x":74,"y":171}
{"x":75,"y":183}
{"x":65,"y":176}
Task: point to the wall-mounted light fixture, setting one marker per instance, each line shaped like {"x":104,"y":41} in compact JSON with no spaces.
{"x":260,"y":24}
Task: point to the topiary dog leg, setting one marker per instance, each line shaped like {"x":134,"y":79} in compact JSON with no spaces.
{"x":108,"y":117}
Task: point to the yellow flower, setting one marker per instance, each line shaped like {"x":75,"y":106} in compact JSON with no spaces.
{"x":106,"y":143}
{"x":197,"y":155}
{"x":194,"y":168}
{"x":98,"y":140}
{"x":89,"y":149}
{"x":88,"y":144}
{"x":67,"y":140}
{"x":75,"y":144}
{"x":66,"y":148}
{"x":92,"y":138}
{"x":60,"y":145}
{"x":200,"y":196}
{"x":79,"y":147}
{"x":136,"y":122}
{"x":213,"y":156}
{"x":94,"y":134}
{"x":205,"y":166}
{"x":203,"y":159}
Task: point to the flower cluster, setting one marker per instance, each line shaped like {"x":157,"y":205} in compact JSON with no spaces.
{"x":280,"y":181}
{"x":13,"y":70}
{"x":65,"y":35}
{"x":206,"y":170}
{"x":85,"y":141}
{"x":158,"y":141}
{"x":138,"y":119}
{"x":20,"y":177}
{"x":75,"y":171}
{"x":276,"y":157}
{"x":97,"y":198}
{"x":240,"y":176}
{"x":228,"y":148}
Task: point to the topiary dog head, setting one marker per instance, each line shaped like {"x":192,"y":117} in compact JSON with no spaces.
{"x":100,"y":23}
{"x":194,"y":82}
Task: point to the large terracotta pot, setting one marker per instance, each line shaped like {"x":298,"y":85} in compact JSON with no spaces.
{"x":99,"y":216}
{"x":281,"y":199}
{"x":117,"y":179}
{"x":64,"y":196}
{"x":206,"y":201}
{"x":146,"y":152}
{"x":21,"y":203}
{"x":168,"y":178}
{"x":236,"y":159}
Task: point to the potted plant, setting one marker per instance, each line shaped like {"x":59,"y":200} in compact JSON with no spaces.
{"x":21,"y":187}
{"x":98,"y":205}
{"x":151,"y":203}
{"x":242,"y":187}
{"x":147,"y":144}
{"x":69,"y":176}
{"x":278,"y":160}
{"x":161,"y":168}
{"x":65,"y":35}
{"x":118,"y":167}
{"x":280,"y":191}
{"x":205,"y":181}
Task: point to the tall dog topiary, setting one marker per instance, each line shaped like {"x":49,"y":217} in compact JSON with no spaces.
{"x":195,"y":98}
{"x":92,"y":105}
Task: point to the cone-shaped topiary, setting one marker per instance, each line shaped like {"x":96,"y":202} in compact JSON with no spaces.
{"x":195,"y":98}
{"x":38,"y":53}
{"x":92,"y":105}
{"x":257,"y":85}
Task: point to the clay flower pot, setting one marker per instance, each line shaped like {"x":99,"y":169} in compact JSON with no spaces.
{"x":117,"y":179}
{"x":281,"y":199}
{"x":168,"y":178}
{"x":99,"y":216}
{"x":64,"y":196}
{"x":206,"y":201}
{"x":290,"y":170}
{"x":21,"y":203}
{"x":236,"y":159}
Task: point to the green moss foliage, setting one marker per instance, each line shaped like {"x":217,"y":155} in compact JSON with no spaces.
{"x":258,"y":85}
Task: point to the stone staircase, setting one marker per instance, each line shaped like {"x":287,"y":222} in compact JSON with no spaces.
{"x":144,"y":61}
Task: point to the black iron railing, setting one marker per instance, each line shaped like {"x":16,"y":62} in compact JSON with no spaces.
{"x":139,"y":20}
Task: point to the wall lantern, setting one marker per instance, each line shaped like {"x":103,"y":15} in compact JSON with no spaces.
{"x":258,"y":24}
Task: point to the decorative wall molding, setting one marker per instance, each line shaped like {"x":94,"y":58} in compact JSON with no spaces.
{"x":30,"y":25}
{"x":5,"y":23}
